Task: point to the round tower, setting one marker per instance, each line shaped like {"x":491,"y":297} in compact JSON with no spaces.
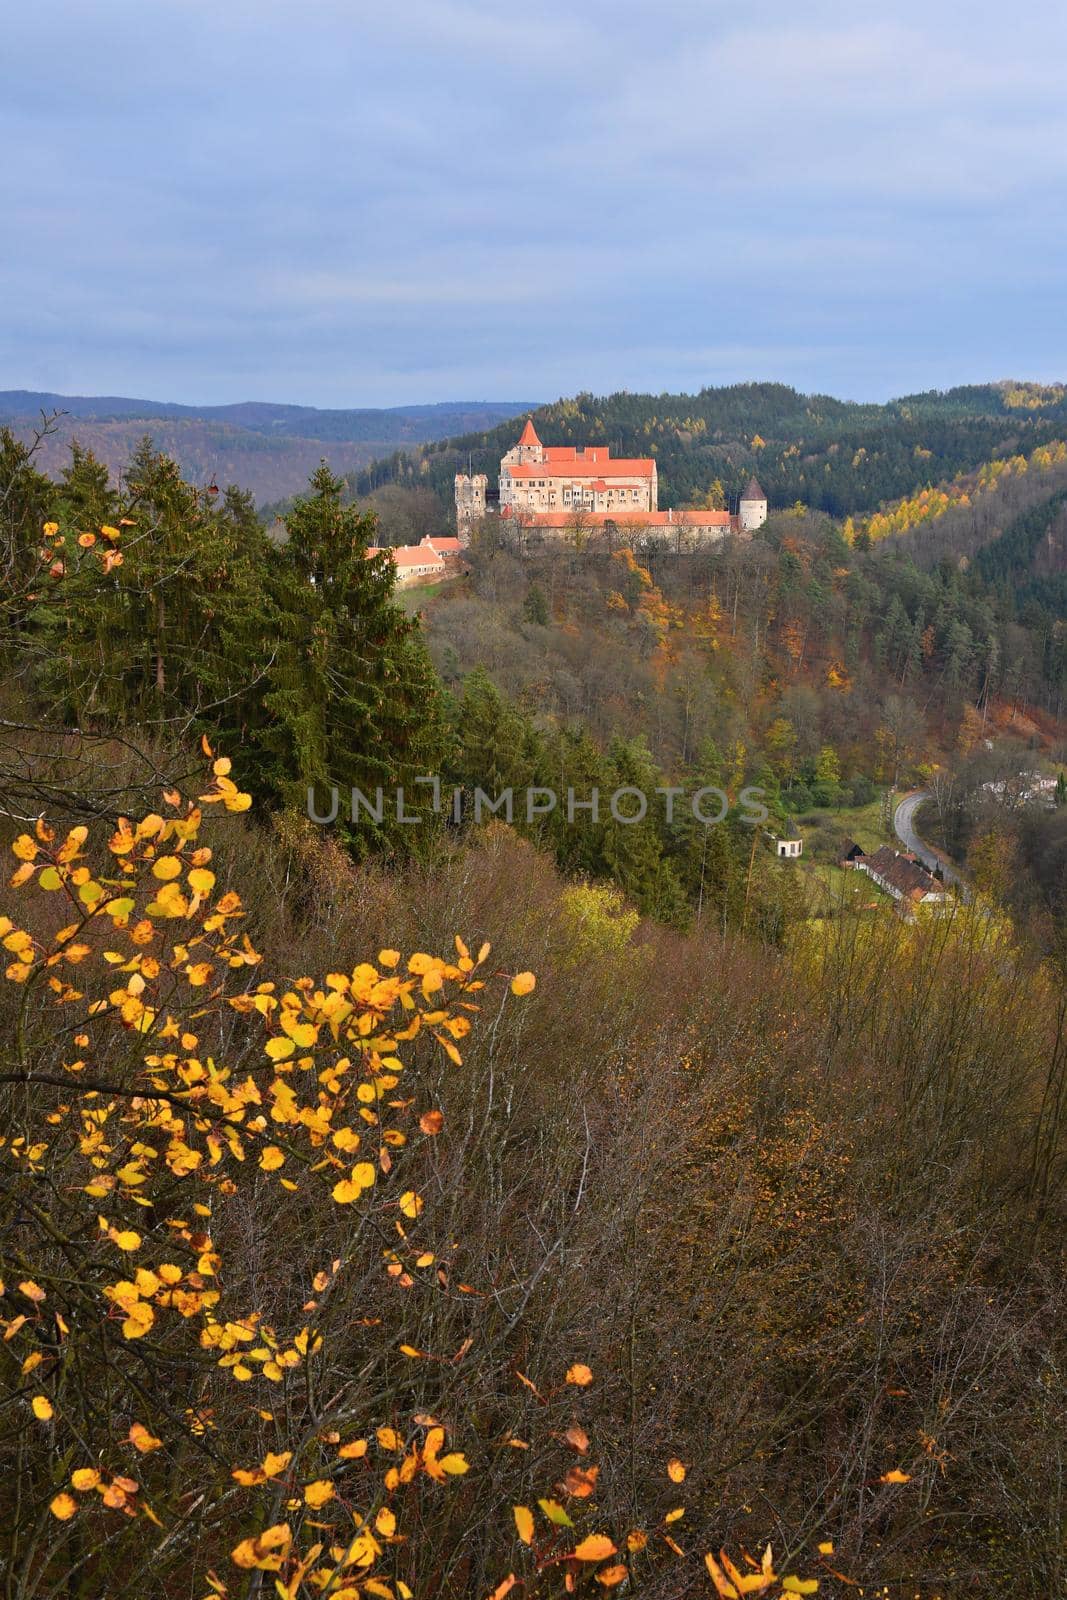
{"x":752,"y":511}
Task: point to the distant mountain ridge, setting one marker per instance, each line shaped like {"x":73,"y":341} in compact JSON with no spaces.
{"x":356,"y":424}
{"x":267,"y":448}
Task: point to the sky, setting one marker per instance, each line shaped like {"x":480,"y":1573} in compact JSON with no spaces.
{"x":339,"y":203}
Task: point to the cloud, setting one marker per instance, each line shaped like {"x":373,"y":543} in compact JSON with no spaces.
{"x":337,"y":201}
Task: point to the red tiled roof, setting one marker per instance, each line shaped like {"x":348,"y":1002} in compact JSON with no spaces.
{"x":529,"y":433}
{"x":445,"y":545}
{"x":588,"y":466}
{"x":414,"y":555}
{"x":902,"y":871}
{"x":409,"y":555}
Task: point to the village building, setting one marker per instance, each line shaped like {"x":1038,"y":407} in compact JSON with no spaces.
{"x":434,"y":557}
{"x":903,"y":877}
{"x":851,"y":854}
{"x":787,"y":846}
{"x":565,"y":491}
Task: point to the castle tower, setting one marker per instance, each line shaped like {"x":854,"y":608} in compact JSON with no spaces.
{"x":529,"y":447}
{"x":752,"y":512}
{"x":470,"y":501}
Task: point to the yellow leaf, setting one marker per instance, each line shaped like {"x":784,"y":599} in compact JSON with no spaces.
{"x":63,"y":1507}
{"x":166,"y":868}
{"x":896,"y":1476}
{"x":272,"y":1158}
{"x":353,"y":1450}
{"x":675,"y":1515}
{"x":316,"y":1494}
{"x":826,"y":1548}
{"x":42,"y":1408}
{"x":792,"y":1585}
{"x":126,"y":1239}
{"x":278,"y":1049}
{"x":455,"y":1464}
{"x":580,"y":1375}
{"x":595,"y":1548}
{"x":140,"y":1319}
{"x":84,"y":1479}
{"x":523,"y":983}
{"x":675,"y":1471}
{"x":524,"y":1523}
{"x":411,"y":1204}
{"x":610,"y":1576}
{"x":266,"y":1551}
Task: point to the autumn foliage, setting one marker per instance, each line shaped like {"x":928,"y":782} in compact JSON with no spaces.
{"x":184,"y":1408}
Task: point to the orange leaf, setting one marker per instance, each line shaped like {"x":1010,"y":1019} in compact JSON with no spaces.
{"x":595,"y":1548}
{"x":581,"y":1481}
{"x":579,"y":1374}
{"x":524,"y":1523}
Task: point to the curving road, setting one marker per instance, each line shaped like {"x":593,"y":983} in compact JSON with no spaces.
{"x":904,"y":826}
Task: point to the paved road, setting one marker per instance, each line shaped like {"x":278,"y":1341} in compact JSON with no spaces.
{"x":904,"y":824}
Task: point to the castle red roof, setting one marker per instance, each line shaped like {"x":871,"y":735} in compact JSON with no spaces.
{"x":566,"y":462}
{"x":529,"y":433}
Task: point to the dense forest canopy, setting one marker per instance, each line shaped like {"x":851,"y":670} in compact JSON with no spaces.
{"x":841,"y":457}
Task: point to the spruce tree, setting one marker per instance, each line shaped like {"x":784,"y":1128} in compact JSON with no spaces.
{"x":353,"y":700}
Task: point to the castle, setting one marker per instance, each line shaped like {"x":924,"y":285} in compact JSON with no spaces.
{"x":560,"y":489}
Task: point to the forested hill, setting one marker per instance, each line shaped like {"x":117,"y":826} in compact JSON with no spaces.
{"x":268,"y":449}
{"x":836,"y":456}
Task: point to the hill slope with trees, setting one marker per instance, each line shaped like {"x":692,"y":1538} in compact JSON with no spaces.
{"x":836,"y":456}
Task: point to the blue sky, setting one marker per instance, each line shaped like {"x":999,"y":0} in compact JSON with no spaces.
{"x":354,"y":204}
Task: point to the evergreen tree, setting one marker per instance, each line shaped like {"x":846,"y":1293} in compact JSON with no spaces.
{"x":535,"y":606}
{"x":353,"y":697}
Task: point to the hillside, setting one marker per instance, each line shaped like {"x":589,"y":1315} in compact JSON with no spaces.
{"x":268,"y":449}
{"x":836,"y":456}
{"x":689,"y":1145}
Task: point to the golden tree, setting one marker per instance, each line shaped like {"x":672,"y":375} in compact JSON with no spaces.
{"x":186,"y":1410}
